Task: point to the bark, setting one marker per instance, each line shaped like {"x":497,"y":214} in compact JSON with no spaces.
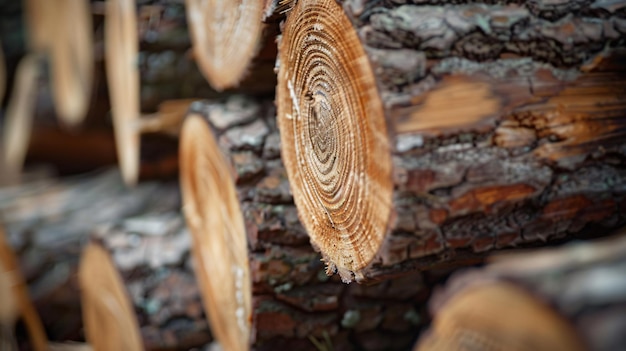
{"x":240,"y":210}
{"x":417,"y":134}
{"x":581,"y":283}
{"x":47,"y":223}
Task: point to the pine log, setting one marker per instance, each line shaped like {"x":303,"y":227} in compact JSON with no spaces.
{"x":49,"y":221}
{"x":16,"y":302}
{"x":108,"y":315}
{"x":262,"y":284}
{"x":215,"y":27}
{"x":417,"y":134}
{"x":578,"y":293}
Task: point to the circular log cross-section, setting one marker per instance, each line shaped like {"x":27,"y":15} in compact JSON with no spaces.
{"x":334,"y":138}
{"x":217,"y":226}
{"x":475,"y":321}
{"x":123,"y":80}
{"x":225,"y":36}
{"x":108,"y":314}
{"x":418,"y":136}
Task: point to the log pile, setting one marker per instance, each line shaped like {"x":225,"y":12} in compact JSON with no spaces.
{"x":263,"y":286}
{"x":418,"y":135}
{"x":414,"y":135}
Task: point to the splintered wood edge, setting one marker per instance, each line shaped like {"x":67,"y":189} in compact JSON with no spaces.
{"x":9,"y":267}
{"x":225,"y":36}
{"x":215,"y":220}
{"x":71,"y":59}
{"x":498,"y":316}
{"x":123,"y":79}
{"x":108,"y":315}
{"x":334,"y":136}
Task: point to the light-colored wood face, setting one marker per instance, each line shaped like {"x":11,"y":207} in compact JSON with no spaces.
{"x":62,"y":30}
{"x":225,"y":37}
{"x":123,"y":79}
{"x":498,"y":317}
{"x":334,"y":136}
{"x":220,"y":249}
{"x":71,"y":58}
{"x":19,"y":119}
{"x":108,"y":315}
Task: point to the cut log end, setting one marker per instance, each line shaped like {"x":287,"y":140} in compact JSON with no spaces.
{"x":123,"y":78}
{"x":475,"y":320}
{"x":225,"y":36}
{"x":334,"y":136}
{"x":214,"y":217}
{"x":109,"y":318}
{"x":71,"y":59}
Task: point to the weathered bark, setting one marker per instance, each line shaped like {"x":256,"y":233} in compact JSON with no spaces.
{"x":49,"y":221}
{"x":581,"y":285}
{"x":244,"y":223}
{"x":416,"y":135}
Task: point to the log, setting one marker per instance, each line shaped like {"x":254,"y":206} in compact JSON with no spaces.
{"x":49,"y":221}
{"x":16,"y":302}
{"x":109,"y":317}
{"x":570,"y":298}
{"x":63,"y":33}
{"x":262,"y":284}
{"x":215,"y":26}
{"x":418,"y":135}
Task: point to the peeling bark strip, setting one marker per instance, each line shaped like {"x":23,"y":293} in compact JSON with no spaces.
{"x":235,"y":144}
{"x":570,"y":298}
{"x":503,"y":124}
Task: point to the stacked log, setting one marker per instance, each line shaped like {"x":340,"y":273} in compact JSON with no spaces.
{"x":215,"y":26}
{"x":16,"y":302}
{"x":109,"y":318}
{"x":419,"y":134}
{"x":49,"y":221}
{"x":262,"y":284}
{"x":571,"y":298}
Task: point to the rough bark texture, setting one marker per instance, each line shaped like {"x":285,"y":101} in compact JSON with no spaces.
{"x":294,"y":300}
{"x":47,"y":222}
{"x":505,"y":120}
{"x":582,"y":282}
